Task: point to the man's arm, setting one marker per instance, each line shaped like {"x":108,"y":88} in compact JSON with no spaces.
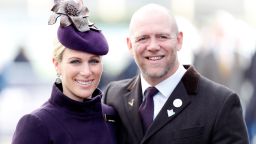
{"x":230,"y":126}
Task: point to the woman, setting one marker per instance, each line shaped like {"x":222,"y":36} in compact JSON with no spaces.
{"x":74,"y":113}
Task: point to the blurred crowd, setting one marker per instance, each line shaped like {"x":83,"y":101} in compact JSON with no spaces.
{"x":222,"y":49}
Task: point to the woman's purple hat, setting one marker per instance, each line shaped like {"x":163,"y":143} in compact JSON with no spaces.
{"x":76,"y":31}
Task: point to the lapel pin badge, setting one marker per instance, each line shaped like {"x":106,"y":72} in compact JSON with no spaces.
{"x":131,"y":102}
{"x":177,"y":103}
{"x":170,"y":113}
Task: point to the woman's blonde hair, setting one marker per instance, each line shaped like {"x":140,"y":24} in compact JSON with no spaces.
{"x":58,"y":51}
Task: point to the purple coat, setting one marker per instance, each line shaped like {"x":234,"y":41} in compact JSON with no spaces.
{"x":62,"y":120}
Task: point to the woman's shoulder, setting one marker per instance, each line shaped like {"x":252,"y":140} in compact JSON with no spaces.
{"x":30,"y":129}
{"x":29,"y":119}
{"x":32,"y":119}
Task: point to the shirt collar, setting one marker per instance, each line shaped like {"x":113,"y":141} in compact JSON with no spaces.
{"x":167,"y":86}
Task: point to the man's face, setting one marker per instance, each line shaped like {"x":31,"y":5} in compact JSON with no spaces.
{"x":154,"y":45}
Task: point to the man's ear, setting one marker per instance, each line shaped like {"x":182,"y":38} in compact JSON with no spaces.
{"x":129,"y":44}
{"x":179,"y":41}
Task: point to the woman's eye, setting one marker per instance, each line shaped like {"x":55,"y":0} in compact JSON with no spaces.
{"x":94,"y":61}
{"x":74,"y":61}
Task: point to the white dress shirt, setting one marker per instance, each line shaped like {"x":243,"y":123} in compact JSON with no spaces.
{"x":165,"y":88}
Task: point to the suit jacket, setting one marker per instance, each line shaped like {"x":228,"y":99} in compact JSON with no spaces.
{"x":210,"y":113}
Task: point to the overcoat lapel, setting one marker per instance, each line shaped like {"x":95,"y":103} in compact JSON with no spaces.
{"x":132,"y":102}
{"x":183,"y":91}
{"x":169,"y":111}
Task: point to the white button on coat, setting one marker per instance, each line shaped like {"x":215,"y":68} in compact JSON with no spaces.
{"x":177,"y":103}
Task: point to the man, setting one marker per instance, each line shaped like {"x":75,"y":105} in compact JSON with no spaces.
{"x":188,"y":108}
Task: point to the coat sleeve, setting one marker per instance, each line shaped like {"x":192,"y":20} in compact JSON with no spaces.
{"x":30,"y":130}
{"x":230,"y":126}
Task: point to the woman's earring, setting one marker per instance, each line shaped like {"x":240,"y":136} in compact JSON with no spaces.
{"x":58,"y":79}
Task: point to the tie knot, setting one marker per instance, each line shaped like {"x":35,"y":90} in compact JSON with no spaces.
{"x":150,"y":92}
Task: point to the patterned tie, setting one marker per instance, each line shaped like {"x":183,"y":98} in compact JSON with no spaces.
{"x":146,"y":109}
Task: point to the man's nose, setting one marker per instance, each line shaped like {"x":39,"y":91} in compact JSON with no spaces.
{"x":153,"y":44}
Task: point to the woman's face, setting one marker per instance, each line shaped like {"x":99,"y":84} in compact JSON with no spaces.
{"x":80,"y":72}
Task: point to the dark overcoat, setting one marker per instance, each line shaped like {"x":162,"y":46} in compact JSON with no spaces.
{"x":62,"y":120}
{"x":209,"y":114}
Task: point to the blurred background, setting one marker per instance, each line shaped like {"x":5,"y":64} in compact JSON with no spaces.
{"x":219,"y":40}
